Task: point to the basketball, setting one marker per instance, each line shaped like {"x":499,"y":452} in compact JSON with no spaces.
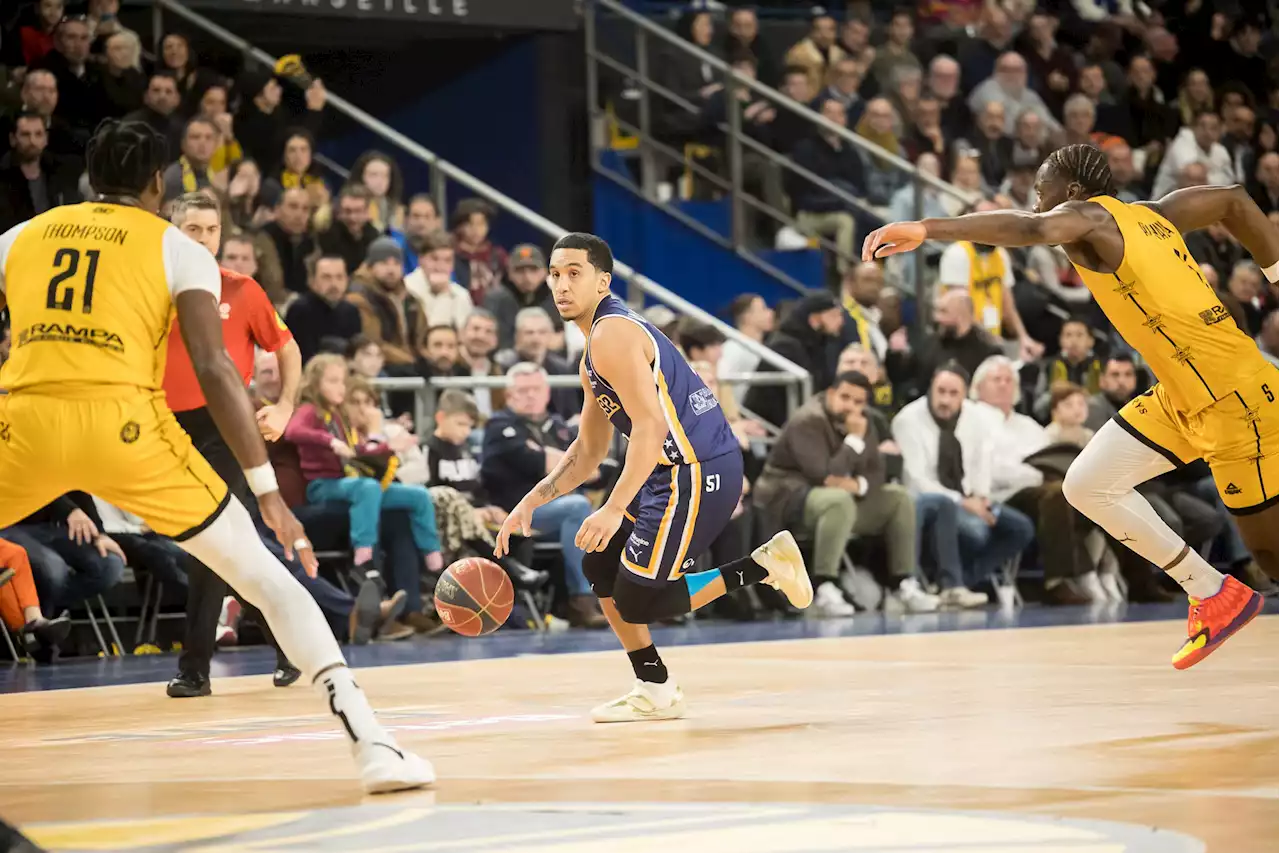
{"x":474,"y":597}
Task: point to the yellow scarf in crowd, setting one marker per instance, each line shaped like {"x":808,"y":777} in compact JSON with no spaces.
{"x":358,"y":467}
{"x":289,"y":180}
{"x":860,"y":322}
{"x":191,"y":180}
{"x":226,"y":154}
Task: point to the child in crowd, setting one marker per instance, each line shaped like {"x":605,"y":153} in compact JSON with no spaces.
{"x":1074,"y":363}
{"x":364,"y":356}
{"x":467,"y":517}
{"x":339,"y":466}
{"x":450,"y":462}
{"x":369,"y":419}
{"x":1068,"y":409}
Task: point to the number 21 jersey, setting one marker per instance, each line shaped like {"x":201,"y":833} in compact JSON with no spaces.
{"x":90,"y":290}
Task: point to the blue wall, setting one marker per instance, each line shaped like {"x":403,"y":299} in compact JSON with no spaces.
{"x":684,"y":260}
{"x":483,"y":120}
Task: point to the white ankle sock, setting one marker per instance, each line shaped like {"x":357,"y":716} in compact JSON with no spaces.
{"x":662,"y":694}
{"x":1196,"y":577}
{"x":348,"y":703}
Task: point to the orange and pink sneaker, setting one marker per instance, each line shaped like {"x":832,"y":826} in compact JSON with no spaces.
{"x":1213,"y":620}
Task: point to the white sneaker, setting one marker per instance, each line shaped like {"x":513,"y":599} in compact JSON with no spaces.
{"x":227,"y":633}
{"x":645,"y":701}
{"x":781,"y":557}
{"x":862,"y":589}
{"x":829,"y":602}
{"x":1093,"y":588}
{"x":385,"y":767}
{"x":914,"y":599}
{"x":961,"y":596}
{"x":1111,"y":585}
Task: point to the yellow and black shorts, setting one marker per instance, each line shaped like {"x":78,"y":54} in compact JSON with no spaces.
{"x":1237,"y":436}
{"x":121,"y":445}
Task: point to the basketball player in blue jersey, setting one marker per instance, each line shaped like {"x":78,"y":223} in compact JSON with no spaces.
{"x":680,"y":483}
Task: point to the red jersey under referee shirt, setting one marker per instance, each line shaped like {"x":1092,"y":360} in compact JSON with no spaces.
{"x":248,"y":318}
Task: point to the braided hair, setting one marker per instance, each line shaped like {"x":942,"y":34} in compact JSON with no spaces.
{"x":124,"y":156}
{"x":1085,"y":165}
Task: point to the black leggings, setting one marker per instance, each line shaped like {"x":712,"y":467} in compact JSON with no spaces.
{"x":638,"y":603}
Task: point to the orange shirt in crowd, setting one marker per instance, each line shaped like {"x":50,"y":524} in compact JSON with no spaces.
{"x":248,"y":319}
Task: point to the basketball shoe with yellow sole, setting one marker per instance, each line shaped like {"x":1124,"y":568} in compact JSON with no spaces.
{"x":645,"y":701}
{"x":782,"y":559}
{"x":1211,"y":621}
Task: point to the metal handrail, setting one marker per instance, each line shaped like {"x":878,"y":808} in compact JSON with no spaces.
{"x":442,"y":168}
{"x":427,"y":389}
{"x":332,"y":165}
{"x":555,"y":380}
{"x":758,"y":147}
{"x":785,"y":102}
{"x":723,"y":183}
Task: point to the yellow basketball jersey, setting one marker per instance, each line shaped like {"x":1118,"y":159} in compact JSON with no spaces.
{"x":1161,"y":304}
{"x":986,"y":287}
{"x":89,"y":299}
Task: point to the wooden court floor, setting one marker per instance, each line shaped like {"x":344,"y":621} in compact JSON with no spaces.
{"x":1076,"y":722}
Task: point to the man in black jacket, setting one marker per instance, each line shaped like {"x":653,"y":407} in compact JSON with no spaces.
{"x":321,"y":318}
{"x":533,"y":337}
{"x":160,"y":110}
{"x":828,"y":155}
{"x":71,"y":558}
{"x":352,"y":234}
{"x":290,"y":234}
{"x":39,"y":96}
{"x":77,"y":77}
{"x":804,"y":337}
{"x":32,"y":180}
{"x":521,"y":444}
{"x":958,"y":338}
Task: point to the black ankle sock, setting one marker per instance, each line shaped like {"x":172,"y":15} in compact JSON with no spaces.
{"x":648,"y":665}
{"x":742,"y":573}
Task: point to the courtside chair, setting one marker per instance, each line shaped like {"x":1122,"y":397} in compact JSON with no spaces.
{"x":8,"y":641}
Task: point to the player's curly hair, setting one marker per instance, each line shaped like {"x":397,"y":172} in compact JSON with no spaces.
{"x":1085,"y":165}
{"x":124,"y":156}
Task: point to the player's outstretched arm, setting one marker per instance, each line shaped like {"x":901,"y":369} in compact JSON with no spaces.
{"x":1064,"y":224}
{"x":1194,"y":208}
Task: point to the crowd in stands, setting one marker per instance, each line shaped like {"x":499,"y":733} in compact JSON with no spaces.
{"x":1176,"y":93}
{"x":898,"y":474}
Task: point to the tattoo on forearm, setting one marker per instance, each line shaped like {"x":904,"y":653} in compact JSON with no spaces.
{"x":548,"y":489}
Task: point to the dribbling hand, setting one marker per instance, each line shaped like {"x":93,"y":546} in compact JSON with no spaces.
{"x":520,"y":520}
{"x":598,"y":529}
{"x":289,"y":531}
{"x":892,"y":239}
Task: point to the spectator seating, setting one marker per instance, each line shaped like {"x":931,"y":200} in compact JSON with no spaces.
{"x":1149,"y":100}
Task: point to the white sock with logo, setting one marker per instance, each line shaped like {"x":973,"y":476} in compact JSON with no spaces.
{"x":348,"y":703}
{"x":1196,"y":577}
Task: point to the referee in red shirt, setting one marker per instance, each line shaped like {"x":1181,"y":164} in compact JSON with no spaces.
{"x":248,"y":320}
